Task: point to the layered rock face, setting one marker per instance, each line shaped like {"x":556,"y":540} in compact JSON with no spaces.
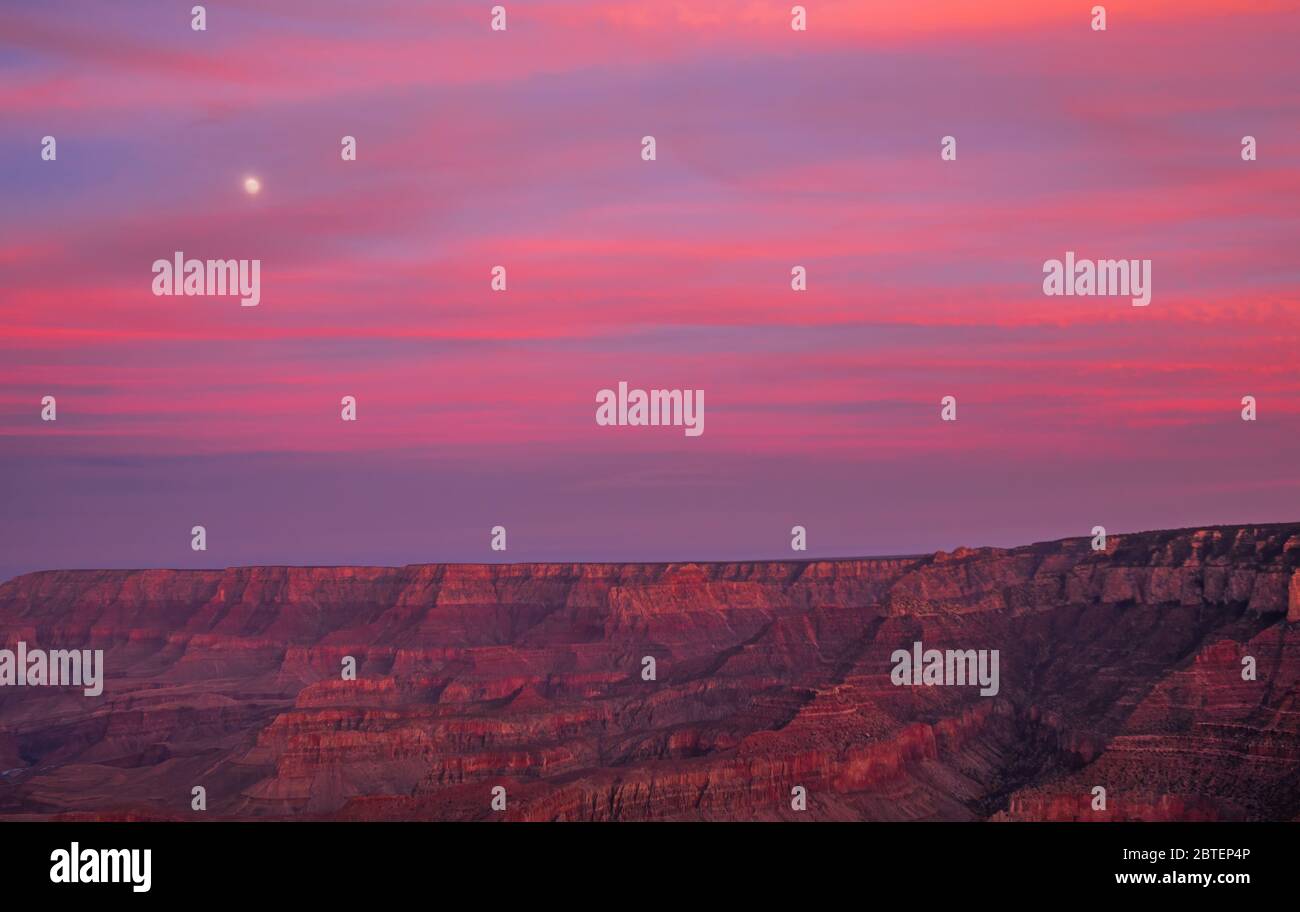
{"x":1120,"y":669}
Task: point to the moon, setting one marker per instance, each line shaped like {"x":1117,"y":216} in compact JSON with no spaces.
{"x":252,"y":186}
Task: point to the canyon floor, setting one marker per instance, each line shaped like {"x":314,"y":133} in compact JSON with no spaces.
{"x":1120,"y":669}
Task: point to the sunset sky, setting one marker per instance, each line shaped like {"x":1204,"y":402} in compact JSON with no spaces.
{"x":774,"y":148}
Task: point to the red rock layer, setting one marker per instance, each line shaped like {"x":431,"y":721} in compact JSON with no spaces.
{"x":1119,"y":669}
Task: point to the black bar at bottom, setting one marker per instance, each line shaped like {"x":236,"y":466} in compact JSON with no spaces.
{"x":647,"y":863}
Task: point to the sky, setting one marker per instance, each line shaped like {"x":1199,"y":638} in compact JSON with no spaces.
{"x":522,"y":148}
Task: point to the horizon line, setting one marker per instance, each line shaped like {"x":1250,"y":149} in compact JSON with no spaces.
{"x":652,"y":563}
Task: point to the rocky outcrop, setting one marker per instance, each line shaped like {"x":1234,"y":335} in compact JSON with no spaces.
{"x":1123,"y":669}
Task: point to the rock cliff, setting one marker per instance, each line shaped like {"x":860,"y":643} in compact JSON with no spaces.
{"x":1121,"y":669}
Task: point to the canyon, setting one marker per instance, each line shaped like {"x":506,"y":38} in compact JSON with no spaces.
{"x":1120,"y":668}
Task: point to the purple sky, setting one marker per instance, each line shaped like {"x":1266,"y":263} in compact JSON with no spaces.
{"x":522,"y":148}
